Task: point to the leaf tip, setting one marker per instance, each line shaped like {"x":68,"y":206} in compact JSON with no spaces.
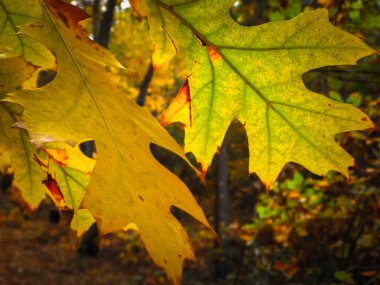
{"x":368,"y":122}
{"x":268,"y":184}
{"x":180,"y":103}
{"x":137,"y":8}
{"x":204,"y":168}
{"x":355,"y":165}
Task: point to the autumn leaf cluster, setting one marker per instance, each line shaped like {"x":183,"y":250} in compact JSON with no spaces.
{"x":252,"y":74}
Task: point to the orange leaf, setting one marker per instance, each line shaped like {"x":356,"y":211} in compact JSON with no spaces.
{"x":53,"y":187}
{"x":180,"y":103}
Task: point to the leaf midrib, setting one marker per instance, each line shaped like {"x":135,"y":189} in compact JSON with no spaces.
{"x":84,"y":79}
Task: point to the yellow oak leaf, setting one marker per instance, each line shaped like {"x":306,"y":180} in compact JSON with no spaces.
{"x":128,"y":184}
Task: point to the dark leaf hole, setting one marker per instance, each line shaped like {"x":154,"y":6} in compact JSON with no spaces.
{"x":45,"y":77}
{"x":88,"y":148}
{"x":5,"y":181}
{"x":179,"y":167}
{"x":248,"y":12}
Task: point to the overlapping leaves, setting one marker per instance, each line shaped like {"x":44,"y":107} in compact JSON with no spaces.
{"x":252,"y":74}
{"x":16,"y":150}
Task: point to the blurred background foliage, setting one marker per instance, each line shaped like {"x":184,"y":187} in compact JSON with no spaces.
{"x":306,"y":230}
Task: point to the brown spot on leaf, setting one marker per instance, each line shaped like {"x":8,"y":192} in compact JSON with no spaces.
{"x":165,"y":261}
{"x":53,"y":187}
{"x":213,"y":53}
{"x":69,"y":14}
{"x":62,"y":157}
{"x":36,"y":25}
{"x":59,"y":156}
{"x":141,"y":198}
{"x":329,"y":105}
{"x":64,"y":19}
{"x":365,"y":119}
{"x":180,"y":255}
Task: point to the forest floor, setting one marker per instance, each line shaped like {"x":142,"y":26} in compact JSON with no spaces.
{"x":34,"y":250}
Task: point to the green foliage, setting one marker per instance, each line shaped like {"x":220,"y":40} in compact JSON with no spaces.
{"x":255,"y":75}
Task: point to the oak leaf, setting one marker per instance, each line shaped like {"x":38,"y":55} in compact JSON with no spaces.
{"x":254,"y":74}
{"x":128,"y":185}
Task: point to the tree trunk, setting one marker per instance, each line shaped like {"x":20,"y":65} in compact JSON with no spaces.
{"x":222,"y":211}
{"x":96,"y":18}
{"x":102,"y":30}
{"x":144,"y":86}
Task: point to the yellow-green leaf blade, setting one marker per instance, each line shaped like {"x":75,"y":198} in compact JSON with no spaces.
{"x":14,"y":13}
{"x":14,"y":143}
{"x":254,"y":74}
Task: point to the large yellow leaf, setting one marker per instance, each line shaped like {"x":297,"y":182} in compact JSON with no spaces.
{"x":254,"y":74}
{"x":128,"y":185}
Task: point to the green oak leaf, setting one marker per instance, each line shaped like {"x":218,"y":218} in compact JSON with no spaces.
{"x":254,"y":74}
